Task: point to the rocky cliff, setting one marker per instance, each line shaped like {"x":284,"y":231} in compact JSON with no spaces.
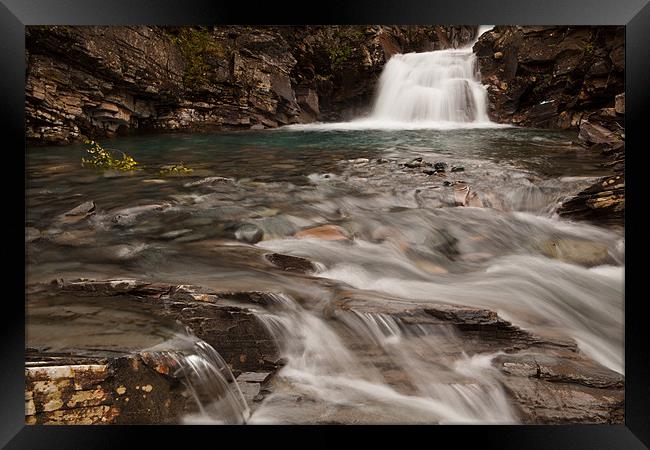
{"x":568,"y":77}
{"x":551,"y":76}
{"x":100,"y":81}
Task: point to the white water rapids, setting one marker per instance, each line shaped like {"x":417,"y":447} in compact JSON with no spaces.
{"x":351,"y":353}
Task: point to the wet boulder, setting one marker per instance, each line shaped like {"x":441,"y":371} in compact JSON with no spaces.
{"x":562,"y":387}
{"x":415,"y":163}
{"x":78,"y":213}
{"x":249,"y":233}
{"x":128,"y":216}
{"x":291,"y":263}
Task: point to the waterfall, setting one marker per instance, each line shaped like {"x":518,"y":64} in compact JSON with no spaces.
{"x":433,"y":87}
{"x":440,"y":89}
{"x":438,"y":86}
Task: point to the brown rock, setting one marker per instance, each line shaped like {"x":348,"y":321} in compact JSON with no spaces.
{"x":290,"y":263}
{"x":596,"y":134}
{"x":619,"y":103}
{"x":324,"y":232}
{"x":603,"y":202}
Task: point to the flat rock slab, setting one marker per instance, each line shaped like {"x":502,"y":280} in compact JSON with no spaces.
{"x":222,"y":319}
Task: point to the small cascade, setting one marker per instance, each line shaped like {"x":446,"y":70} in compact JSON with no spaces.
{"x":207,"y":378}
{"x":331,"y":364}
{"x":466,"y":389}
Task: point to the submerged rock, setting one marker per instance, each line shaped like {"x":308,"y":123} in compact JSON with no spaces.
{"x":324,"y":232}
{"x":208,"y":181}
{"x":176,"y":233}
{"x":73,"y":238}
{"x":249,"y":233}
{"x":575,"y":251}
{"x":445,"y":243}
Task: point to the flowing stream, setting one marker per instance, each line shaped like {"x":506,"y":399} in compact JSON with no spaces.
{"x":405,"y":243}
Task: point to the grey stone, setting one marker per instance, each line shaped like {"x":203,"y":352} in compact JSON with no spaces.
{"x":249,"y":233}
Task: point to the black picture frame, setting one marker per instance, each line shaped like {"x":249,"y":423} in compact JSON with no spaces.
{"x":634,"y":14}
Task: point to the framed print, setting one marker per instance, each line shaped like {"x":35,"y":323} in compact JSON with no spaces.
{"x":379,"y":216}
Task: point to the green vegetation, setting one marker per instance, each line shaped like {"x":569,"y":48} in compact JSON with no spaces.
{"x":102,"y":158}
{"x":339,"y":55}
{"x":175,"y":169}
{"x":198,"y":46}
{"x":343,"y":45}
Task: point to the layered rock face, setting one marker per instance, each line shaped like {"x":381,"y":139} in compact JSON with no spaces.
{"x":569,"y":78}
{"x":100,"y":81}
{"x":551,"y":76}
{"x":547,"y":379}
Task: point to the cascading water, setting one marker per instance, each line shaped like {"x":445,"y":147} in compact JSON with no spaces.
{"x":207,"y":378}
{"x":336,"y":367}
{"x":432,"y":87}
{"x":354,"y":348}
{"x":440,"y":89}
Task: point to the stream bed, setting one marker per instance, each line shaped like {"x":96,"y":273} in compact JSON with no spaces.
{"x":390,"y":221}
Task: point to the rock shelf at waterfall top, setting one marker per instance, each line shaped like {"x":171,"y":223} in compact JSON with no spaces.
{"x":364,"y":225}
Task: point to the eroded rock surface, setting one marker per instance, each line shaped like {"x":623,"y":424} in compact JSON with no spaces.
{"x":602,"y":202}
{"x":71,"y":389}
{"x":551,"y":76}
